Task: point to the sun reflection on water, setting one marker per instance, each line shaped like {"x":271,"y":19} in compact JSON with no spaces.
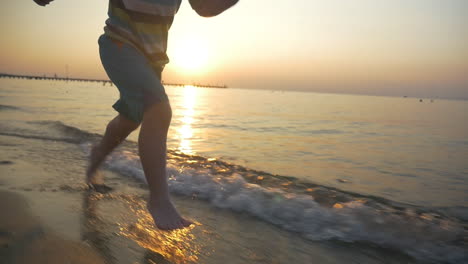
{"x":186,"y":131}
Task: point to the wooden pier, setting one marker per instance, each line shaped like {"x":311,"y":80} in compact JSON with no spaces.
{"x":54,"y":78}
{"x":104,"y":82}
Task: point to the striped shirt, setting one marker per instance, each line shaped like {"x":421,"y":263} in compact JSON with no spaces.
{"x":143,"y":24}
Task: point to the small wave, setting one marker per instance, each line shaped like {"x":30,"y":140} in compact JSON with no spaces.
{"x":66,"y":140}
{"x":49,"y":131}
{"x":8,"y":107}
{"x":6,"y":162}
{"x":427,"y":236}
{"x":66,"y":129}
{"x":271,"y":129}
{"x":324,"y":131}
{"x":460,"y":212}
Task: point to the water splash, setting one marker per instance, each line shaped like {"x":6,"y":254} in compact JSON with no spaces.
{"x":176,"y":246}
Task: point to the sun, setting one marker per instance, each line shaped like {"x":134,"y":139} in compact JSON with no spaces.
{"x":190,"y":54}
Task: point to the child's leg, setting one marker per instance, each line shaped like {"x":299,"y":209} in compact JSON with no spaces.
{"x":152,"y":148}
{"x":116,"y":131}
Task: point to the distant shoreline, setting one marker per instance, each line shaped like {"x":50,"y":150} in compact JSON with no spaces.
{"x":56,"y":78}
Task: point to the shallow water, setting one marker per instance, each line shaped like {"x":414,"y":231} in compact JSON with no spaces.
{"x":396,"y":148}
{"x":304,"y":168}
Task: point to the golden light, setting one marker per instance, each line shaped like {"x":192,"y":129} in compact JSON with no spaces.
{"x":186,"y":131}
{"x":190,"y":54}
{"x":176,"y":246}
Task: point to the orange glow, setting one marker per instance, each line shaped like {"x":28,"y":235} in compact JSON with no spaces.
{"x":371,"y":47}
{"x":176,"y":246}
{"x":338,"y":206}
{"x":186,"y":132}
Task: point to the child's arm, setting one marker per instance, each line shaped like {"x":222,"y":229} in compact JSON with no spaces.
{"x":43,"y":2}
{"x":210,"y":8}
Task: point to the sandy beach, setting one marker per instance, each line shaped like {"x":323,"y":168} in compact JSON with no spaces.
{"x":24,"y":238}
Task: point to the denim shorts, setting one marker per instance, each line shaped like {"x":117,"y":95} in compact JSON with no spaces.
{"x":139,"y":83}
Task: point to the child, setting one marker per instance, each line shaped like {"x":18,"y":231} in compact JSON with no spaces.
{"x":133,"y":53}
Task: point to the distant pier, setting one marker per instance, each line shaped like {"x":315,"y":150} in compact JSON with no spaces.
{"x":196,"y":85}
{"x":104,"y":82}
{"x":52,"y":78}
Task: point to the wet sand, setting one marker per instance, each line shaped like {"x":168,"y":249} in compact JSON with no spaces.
{"x":25,"y":239}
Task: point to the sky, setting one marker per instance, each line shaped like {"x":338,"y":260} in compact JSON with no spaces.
{"x":380,"y":47}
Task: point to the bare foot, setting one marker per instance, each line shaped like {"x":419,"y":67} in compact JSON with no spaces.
{"x":165,"y":215}
{"x":93,"y":177}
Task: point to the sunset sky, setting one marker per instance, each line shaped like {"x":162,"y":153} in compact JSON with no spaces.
{"x":398,"y":47}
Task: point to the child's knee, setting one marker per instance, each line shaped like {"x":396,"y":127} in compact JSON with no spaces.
{"x":123,"y":124}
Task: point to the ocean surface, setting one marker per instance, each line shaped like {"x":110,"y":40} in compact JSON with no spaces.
{"x":377,"y":172}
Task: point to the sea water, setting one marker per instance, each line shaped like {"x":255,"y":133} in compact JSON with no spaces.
{"x":384,"y":170}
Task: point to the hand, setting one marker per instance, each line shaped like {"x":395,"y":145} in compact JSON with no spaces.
{"x":209,"y":8}
{"x":43,"y":2}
